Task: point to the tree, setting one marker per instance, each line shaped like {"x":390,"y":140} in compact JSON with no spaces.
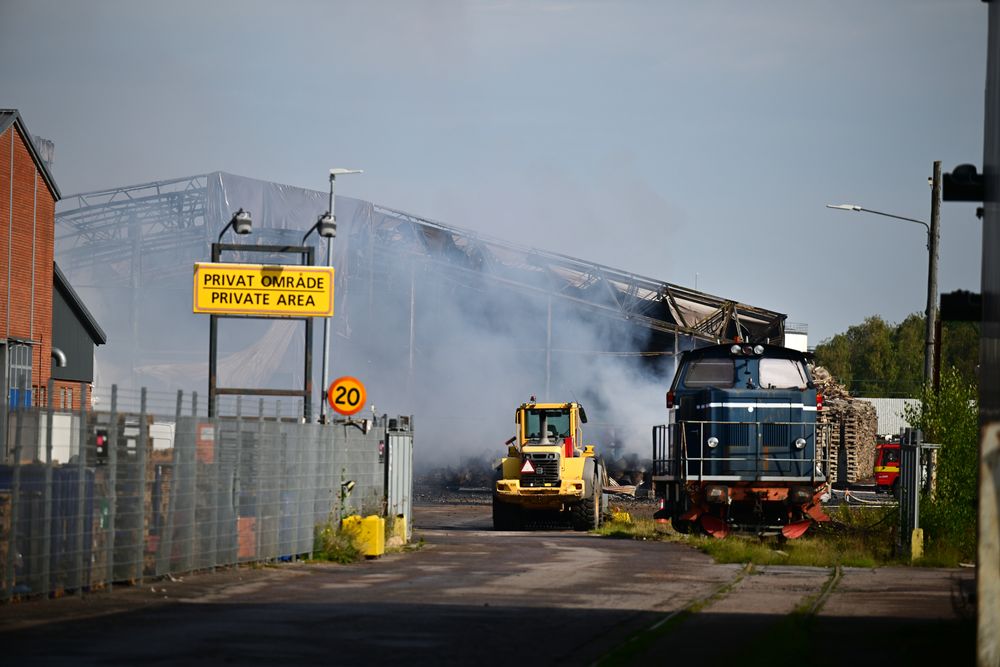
{"x":878,"y":359}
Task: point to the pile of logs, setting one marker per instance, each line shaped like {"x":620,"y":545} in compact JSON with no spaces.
{"x":852,"y":430}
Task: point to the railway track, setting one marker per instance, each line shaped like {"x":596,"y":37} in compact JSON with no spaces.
{"x":783,"y":599}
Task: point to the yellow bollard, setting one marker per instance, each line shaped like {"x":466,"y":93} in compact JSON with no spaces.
{"x":368,"y":534}
{"x":917,"y":544}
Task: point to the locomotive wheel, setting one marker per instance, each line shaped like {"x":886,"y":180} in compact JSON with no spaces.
{"x":681,"y":526}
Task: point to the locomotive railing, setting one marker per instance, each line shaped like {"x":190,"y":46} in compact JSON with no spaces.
{"x":746,"y":451}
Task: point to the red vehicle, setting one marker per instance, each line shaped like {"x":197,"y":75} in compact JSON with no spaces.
{"x":887,"y":467}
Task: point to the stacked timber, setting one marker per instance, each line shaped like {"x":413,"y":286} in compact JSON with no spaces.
{"x":848,"y":427}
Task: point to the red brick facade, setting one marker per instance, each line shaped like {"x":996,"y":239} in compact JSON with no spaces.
{"x":27,"y":240}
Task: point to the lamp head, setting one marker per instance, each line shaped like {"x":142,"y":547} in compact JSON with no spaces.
{"x":242,"y":222}
{"x":326,"y":226}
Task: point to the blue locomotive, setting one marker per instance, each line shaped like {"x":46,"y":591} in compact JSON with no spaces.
{"x":742,"y":449}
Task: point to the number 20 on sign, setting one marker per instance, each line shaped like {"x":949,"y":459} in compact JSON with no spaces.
{"x":346,"y":395}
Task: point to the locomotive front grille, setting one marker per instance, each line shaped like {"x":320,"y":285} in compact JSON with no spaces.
{"x":546,"y":472}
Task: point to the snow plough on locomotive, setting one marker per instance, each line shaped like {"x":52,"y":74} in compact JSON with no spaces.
{"x":548,"y":469}
{"x":742,"y":449}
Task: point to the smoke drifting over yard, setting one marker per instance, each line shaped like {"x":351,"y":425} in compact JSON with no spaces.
{"x":442,"y":325}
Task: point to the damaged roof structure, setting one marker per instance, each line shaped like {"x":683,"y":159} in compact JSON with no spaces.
{"x":135,"y":245}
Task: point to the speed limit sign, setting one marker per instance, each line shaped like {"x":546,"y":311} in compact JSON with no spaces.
{"x":346,"y":395}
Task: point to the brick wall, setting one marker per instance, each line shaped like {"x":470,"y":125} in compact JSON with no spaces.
{"x":27,"y":237}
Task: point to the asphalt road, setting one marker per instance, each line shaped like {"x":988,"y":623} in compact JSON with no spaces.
{"x":474,"y":596}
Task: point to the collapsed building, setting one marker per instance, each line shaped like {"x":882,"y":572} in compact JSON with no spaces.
{"x":449,"y":324}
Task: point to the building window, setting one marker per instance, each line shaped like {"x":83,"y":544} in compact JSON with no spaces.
{"x":19,"y":375}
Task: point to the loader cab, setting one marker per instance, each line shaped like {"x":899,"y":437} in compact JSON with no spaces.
{"x":551,"y":425}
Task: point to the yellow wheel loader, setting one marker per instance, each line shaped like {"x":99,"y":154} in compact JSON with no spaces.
{"x":548,"y":468}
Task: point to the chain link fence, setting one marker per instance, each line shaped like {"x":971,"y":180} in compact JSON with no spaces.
{"x":95,"y":497}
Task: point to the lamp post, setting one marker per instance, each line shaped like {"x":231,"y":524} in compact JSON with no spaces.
{"x":242,"y":224}
{"x":334,"y":173}
{"x":932,"y":251}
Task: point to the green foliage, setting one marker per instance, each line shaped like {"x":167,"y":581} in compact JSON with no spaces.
{"x":951,"y":418}
{"x":331,"y":545}
{"x":878,"y":359}
{"x":857,"y":536}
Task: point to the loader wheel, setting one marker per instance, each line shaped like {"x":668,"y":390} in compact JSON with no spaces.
{"x":587,"y":512}
{"x":505,"y":515}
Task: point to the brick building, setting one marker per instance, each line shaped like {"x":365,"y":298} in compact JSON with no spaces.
{"x":45,"y":330}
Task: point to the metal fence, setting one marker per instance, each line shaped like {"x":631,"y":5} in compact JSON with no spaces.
{"x":94,"y":497}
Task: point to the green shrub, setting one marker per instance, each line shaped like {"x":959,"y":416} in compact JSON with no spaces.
{"x":950,"y":417}
{"x":331,"y":545}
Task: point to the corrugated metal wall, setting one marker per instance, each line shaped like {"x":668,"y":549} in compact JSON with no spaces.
{"x":890,"y":413}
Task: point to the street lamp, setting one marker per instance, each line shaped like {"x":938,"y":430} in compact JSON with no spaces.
{"x":240,"y":222}
{"x":334,"y":173}
{"x":932,"y":251}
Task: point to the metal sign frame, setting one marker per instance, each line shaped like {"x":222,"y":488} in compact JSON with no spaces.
{"x":306,"y":254}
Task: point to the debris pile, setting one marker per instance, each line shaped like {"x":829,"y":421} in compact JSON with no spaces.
{"x":852,"y":430}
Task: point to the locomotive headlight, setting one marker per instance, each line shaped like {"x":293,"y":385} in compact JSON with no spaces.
{"x":800,"y":443}
{"x":736,"y":349}
{"x":758,"y":349}
{"x":712,"y":442}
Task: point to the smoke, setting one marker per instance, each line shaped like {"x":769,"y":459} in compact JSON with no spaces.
{"x":450,"y":329}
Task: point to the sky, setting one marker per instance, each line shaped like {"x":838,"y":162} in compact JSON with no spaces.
{"x":691,"y":142}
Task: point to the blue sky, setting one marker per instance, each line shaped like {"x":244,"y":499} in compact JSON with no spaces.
{"x":684,"y":141}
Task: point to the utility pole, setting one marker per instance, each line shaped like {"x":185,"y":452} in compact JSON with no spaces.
{"x":933,"y":234}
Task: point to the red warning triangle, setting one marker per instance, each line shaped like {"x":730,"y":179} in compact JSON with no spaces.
{"x":527,"y":467}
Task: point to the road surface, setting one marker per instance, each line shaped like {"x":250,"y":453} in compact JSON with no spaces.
{"x":472,"y":596}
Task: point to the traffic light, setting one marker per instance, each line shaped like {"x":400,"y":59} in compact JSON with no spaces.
{"x":101,"y":445}
{"x":964,"y":183}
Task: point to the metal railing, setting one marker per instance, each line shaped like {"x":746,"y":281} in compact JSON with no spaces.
{"x":688,"y":457}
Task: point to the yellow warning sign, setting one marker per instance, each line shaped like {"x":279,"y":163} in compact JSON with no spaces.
{"x":270,"y":290}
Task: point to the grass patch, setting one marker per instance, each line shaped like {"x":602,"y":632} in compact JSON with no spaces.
{"x":637,"y":529}
{"x":855,"y":537}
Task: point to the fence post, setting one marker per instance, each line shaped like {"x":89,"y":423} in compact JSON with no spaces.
{"x":279,"y":477}
{"x":47,"y":500}
{"x":140,"y":455}
{"x":259,"y":474}
{"x":164,"y":554}
{"x":234,"y":532}
{"x":112,"y":447}
{"x":909,"y":490}
{"x":81,"y":490}
{"x":12,"y":547}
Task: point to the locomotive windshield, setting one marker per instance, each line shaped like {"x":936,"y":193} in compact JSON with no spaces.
{"x":558,"y":423}
{"x":710,"y":372}
{"x":782,"y":374}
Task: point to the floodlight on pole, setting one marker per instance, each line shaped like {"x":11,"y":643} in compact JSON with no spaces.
{"x":334,"y":173}
{"x":324,"y":226}
{"x":241,"y":222}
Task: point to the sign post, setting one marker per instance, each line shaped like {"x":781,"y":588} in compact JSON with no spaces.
{"x":301,"y":291}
